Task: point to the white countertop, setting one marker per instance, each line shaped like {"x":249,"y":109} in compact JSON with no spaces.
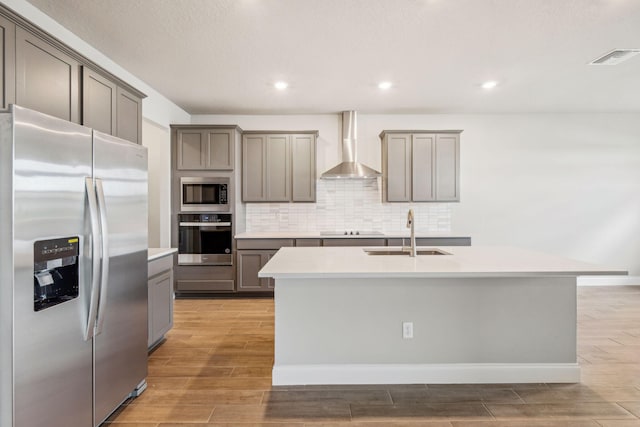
{"x":317,"y":235}
{"x":464,"y":261}
{"x":155,"y":253}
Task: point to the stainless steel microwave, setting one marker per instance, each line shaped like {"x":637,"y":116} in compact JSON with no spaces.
{"x":204,"y":194}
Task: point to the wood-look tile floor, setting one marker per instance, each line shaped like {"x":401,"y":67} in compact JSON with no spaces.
{"x":214,"y":369}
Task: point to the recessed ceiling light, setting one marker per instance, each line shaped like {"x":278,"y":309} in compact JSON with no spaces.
{"x":490,"y":84}
{"x":384,"y":85}
{"x":281,"y":85}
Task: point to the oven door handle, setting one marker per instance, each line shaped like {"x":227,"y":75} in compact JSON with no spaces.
{"x":205,"y":224}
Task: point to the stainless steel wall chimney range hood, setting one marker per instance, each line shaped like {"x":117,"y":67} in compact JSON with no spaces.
{"x":350,"y":168}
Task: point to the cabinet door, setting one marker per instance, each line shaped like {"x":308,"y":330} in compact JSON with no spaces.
{"x":191,"y":146}
{"x":303,"y":168}
{"x":7,"y":63}
{"x":278,"y":169}
{"x":422,"y":167}
{"x":398,"y":167}
{"x":160,"y":306}
{"x":129,"y":116}
{"x":46,"y":78}
{"x":219,"y":154}
{"x":447,"y":168}
{"x":249,"y":264}
{"x":254,"y":187}
{"x":270,"y":281}
{"x":98,"y":102}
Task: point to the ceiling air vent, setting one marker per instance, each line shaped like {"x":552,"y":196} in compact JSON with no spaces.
{"x":615,"y":57}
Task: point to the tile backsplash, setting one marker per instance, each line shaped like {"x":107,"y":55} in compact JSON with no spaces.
{"x":347,"y":205}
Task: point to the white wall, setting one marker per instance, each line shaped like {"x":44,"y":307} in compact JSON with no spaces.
{"x":567,"y":184}
{"x":157,"y":139}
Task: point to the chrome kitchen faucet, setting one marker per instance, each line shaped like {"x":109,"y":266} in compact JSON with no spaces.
{"x":412,"y":241}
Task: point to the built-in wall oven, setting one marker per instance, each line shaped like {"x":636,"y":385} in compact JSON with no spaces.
{"x":204,"y":194}
{"x":205,"y":239}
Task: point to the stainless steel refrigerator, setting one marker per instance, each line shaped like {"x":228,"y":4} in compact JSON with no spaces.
{"x":73,"y":271}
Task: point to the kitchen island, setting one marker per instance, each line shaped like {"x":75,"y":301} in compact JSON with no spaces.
{"x":470,"y":315}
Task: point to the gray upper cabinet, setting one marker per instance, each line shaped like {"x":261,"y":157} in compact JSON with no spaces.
{"x":7,"y":62}
{"x":98,"y":102}
{"x":254,"y":157}
{"x":422,"y":179}
{"x":46,"y":78}
{"x":279,"y":167}
{"x":221,"y":150}
{"x":447,"y":167}
{"x":128,"y":116}
{"x":43,"y":74}
{"x":421,"y":166}
{"x":398,"y":167}
{"x":109,"y":108}
{"x":303,"y":168}
{"x":205,"y":149}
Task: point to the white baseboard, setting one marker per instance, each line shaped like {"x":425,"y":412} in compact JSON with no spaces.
{"x":608,"y":281}
{"x":463,"y":373}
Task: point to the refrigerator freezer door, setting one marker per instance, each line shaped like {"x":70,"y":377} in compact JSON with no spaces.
{"x":121,"y":338}
{"x":52,"y":360}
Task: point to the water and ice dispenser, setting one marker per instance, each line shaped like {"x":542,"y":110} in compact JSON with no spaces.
{"x":55,"y":271}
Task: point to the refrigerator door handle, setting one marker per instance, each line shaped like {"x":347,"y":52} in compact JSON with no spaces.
{"x":96,"y":246}
{"x":104,"y":273}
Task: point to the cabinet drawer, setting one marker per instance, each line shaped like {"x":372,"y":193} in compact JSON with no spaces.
{"x":354,"y":242}
{"x":263,"y":243}
{"x":308,"y":242}
{"x":431,"y":241}
{"x":204,"y":272}
{"x":443,"y":241}
{"x":204,"y":285}
{"x":160,"y":265}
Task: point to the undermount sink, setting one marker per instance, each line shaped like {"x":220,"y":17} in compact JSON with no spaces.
{"x":405,"y":252}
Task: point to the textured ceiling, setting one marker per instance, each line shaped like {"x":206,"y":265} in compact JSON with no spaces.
{"x":223,"y":56}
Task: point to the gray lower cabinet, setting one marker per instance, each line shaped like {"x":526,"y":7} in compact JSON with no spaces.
{"x":196,"y":279}
{"x":205,"y":148}
{"x":432,"y":241}
{"x":47,"y":79}
{"x":279,"y":167}
{"x":421,"y":166}
{"x":160,"y":299}
{"x":249,"y":264}
{"x":350,"y":241}
{"x":7,"y":62}
{"x":251,"y":256}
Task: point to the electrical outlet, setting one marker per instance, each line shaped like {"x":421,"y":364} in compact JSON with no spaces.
{"x":407,"y":330}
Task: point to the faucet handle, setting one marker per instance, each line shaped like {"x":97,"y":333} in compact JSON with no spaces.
{"x":409,"y":217}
